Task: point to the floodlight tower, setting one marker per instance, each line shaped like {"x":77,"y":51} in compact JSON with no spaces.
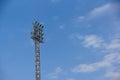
{"x":37,"y":36}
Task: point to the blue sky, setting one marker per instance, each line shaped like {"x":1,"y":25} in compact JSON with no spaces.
{"x":82,"y":39}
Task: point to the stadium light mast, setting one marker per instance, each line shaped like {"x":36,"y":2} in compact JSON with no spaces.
{"x":37,"y":36}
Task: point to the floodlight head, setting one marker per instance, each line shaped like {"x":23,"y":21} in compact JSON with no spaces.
{"x":37,"y":33}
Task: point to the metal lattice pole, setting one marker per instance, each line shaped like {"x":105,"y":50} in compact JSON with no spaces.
{"x":37,"y":36}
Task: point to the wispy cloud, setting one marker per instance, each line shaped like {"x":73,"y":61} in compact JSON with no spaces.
{"x":115,"y":44}
{"x":56,"y":73}
{"x":101,"y":10}
{"x":108,"y":60}
{"x":89,"y":41}
{"x":113,"y":75}
{"x":92,"y":41}
{"x":98,"y":11}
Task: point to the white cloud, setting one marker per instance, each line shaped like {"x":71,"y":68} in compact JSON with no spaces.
{"x":113,"y":75}
{"x":101,"y":10}
{"x":115,"y":44}
{"x":111,"y":48}
{"x":92,"y":41}
{"x":83,"y":68}
{"x":111,"y":60}
{"x":55,"y":74}
{"x":98,"y":11}
{"x":108,"y":61}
